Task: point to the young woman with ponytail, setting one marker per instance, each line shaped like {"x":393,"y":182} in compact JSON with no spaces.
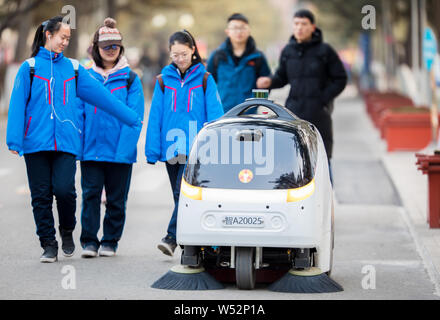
{"x":185,"y":97}
{"x":45,"y":123}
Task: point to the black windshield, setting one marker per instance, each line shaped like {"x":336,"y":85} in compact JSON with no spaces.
{"x":256,"y":155}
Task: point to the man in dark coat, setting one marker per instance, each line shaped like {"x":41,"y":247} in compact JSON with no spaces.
{"x":315,"y":73}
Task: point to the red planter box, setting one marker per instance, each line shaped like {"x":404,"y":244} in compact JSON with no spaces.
{"x":403,"y":115}
{"x":383,"y":105}
{"x":410,"y":131}
{"x":430,"y":165}
{"x":376,"y":103}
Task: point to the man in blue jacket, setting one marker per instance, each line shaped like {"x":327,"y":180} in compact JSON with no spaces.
{"x":237,"y":64}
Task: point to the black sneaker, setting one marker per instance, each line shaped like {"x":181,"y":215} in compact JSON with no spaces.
{"x":67,"y":246}
{"x":50,"y":253}
{"x":167,"y":246}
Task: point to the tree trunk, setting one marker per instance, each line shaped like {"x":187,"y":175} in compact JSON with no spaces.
{"x":111,"y":9}
{"x":22,"y":50}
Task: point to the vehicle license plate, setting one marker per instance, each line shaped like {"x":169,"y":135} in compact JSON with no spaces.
{"x":243,"y":221}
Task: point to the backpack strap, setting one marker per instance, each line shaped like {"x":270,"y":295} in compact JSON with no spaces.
{"x":205,"y":80}
{"x":31,"y":63}
{"x":75,"y":64}
{"x":131,"y":76}
{"x":161,"y":84}
{"x":258,"y":65}
{"x":218,"y":55}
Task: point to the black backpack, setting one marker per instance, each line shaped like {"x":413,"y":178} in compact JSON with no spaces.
{"x":31,"y":61}
{"x":131,"y":76}
{"x":205,"y":81}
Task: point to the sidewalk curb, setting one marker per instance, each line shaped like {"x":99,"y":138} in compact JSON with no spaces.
{"x":412,"y":225}
{"x":433,"y":272}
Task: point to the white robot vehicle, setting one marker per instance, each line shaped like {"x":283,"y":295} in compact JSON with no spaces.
{"x":256,"y":195}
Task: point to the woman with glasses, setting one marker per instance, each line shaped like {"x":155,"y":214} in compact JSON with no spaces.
{"x":184,"y":98}
{"x":109,"y":146}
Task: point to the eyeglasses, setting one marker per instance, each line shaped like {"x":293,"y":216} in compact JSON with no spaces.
{"x":111,"y":47}
{"x":176,"y":56}
{"x":241,"y":29}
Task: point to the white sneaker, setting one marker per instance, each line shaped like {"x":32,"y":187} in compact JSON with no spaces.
{"x":107,"y":251}
{"x":89,"y":252}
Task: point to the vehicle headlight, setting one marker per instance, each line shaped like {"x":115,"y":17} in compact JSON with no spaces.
{"x":190,"y":191}
{"x":301,"y":193}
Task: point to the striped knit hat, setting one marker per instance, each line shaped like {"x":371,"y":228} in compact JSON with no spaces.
{"x":109,"y":34}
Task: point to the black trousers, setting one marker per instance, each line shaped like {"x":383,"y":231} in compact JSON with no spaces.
{"x":115,"y":177}
{"x":52,"y":173}
{"x":175,"y":173}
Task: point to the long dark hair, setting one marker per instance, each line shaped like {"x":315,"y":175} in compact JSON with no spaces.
{"x":184,"y":37}
{"x":110,"y":23}
{"x":52,"y":25}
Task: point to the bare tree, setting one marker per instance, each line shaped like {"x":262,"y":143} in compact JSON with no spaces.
{"x":21,"y":50}
{"x":13,"y":9}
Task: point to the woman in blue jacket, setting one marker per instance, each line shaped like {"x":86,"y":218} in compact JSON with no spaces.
{"x":109,"y":145}
{"x":44,"y":125}
{"x":184,"y":98}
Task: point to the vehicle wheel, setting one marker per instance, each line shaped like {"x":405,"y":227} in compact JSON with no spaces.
{"x":245,"y":272}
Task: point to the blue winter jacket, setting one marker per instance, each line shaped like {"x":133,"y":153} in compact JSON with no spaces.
{"x":236,"y":81}
{"x":178,"y":113}
{"x":51,"y":120}
{"x":105,"y":137}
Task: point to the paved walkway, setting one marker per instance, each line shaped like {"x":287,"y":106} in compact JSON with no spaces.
{"x":357,"y":139}
{"x":389,"y":237}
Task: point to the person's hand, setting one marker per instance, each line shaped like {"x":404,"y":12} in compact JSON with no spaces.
{"x":14,"y":152}
{"x":138,"y":125}
{"x":264,"y":82}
